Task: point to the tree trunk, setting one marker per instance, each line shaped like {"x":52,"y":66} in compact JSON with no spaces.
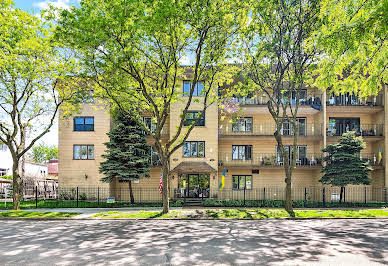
{"x":165,"y":187}
{"x":341,"y":194}
{"x":288,"y":201}
{"x":16,"y":184}
{"x":131,"y":192}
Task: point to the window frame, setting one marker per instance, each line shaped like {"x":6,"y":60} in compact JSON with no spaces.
{"x":239,"y":182}
{"x":195,"y":92}
{"x":203,"y":118}
{"x":87,"y":152}
{"x":242,"y":120}
{"x":197,"y":149}
{"x":84,"y":124}
{"x":246,"y":149}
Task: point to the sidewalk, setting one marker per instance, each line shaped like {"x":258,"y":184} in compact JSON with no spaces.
{"x":88,"y":212}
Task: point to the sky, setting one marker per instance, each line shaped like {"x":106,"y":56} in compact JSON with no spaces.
{"x":34,"y":7}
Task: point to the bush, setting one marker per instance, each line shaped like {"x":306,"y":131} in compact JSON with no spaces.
{"x":295,"y":204}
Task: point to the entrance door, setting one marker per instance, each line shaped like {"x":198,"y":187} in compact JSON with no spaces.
{"x":194,"y":185}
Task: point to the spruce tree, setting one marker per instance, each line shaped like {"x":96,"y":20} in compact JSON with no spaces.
{"x":343,"y":163}
{"x":127,"y":155}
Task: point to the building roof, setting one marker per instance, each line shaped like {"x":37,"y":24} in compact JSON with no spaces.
{"x":193,"y":167}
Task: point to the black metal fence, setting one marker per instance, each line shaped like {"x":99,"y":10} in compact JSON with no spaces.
{"x":103,"y":195}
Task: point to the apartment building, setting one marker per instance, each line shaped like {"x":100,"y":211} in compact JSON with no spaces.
{"x":245,"y":148}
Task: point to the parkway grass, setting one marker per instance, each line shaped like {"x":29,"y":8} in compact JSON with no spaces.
{"x":243,"y":214}
{"x":33,"y":214}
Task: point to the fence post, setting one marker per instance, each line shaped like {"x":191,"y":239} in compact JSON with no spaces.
{"x":385,"y":194}
{"x":36,"y":196}
{"x":324,"y":196}
{"x":98,"y":196}
{"x":244,"y":196}
{"x":305,"y":197}
{"x":365,"y":195}
{"x":264,"y":196}
{"x":77,"y":197}
{"x":344,"y":195}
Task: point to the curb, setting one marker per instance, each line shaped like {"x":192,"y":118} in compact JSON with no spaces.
{"x":186,"y":219}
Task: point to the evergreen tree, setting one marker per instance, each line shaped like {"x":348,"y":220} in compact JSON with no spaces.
{"x":127,"y":154}
{"x":343,"y":163}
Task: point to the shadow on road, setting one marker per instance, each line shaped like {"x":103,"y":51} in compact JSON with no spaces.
{"x":193,"y":242}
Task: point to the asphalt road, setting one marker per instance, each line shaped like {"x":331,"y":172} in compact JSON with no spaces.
{"x":288,"y":242}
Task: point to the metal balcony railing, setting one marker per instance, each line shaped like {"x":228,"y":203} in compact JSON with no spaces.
{"x":310,"y":99}
{"x":372,"y":158}
{"x":310,"y":159}
{"x":364,"y":130}
{"x":354,"y":100}
{"x":268,"y":130}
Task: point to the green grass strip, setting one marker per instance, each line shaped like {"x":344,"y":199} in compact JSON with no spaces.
{"x":32,"y":214}
{"x":243,"y":214}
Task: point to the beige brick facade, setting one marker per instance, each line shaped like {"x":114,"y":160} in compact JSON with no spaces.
{"x":219,"y":139}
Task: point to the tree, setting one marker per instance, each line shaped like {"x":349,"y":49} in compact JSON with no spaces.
{"x":43,"y":153}
{"x":134,"y":52}
{"x":344,"y":165}
{"x":127,"y":155}
{"x":354,"y":39}
{"x":279,"y":63}
{"x":32,"y":83}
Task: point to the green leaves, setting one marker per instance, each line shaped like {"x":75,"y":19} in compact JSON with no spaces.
{"x":353,"y":40}
{"x":344,"y":165}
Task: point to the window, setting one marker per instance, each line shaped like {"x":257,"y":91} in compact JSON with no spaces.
{"x":192,"y":116}
{"x":242,"y":152}
{"x":3,"y":147}
{"x":285,"y":97}
{"x":242,"y":125}
{"x":89,"y":97}
{"x":84,"y":124}
{"x":149,"y":123}
{"x":288,"y":130}
{"x":154,"y":157}
{"x":198,"y":90}
{"x":3,"y":171}
{"x":338,"y":126}
{"x":242,"y":182}
{"x":301,"y":154}
{"x":83,"y":152}
{"x":194,"y":149}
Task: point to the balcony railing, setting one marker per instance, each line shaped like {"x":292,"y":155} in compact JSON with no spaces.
{"x":268,"y":160}
{"x":268,"y":130}
{"x":364,"y":130}
{"x":353,"y":100}
{"x":312,"y":99}
{"x":372,"y":158}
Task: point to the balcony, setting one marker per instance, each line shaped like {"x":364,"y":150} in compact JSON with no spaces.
{"x":372,"y":158}
{"x":269,"y":160}
{"x":365,"y":130}
{"x":353,"y":100}
{"x":310,"y":99}
{"x":268,"y":130}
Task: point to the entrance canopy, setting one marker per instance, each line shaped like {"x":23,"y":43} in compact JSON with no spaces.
{"x":193,"y":167}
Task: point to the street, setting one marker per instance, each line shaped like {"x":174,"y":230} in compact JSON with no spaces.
{"x":265,"y":242}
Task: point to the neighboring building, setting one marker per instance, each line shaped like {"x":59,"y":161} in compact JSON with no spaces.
{"x":53,"y":168}
{"x":246,"y":149}
{"x":5,"y":160}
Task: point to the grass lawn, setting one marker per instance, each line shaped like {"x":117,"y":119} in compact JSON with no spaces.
{"x":243,"y":214}
{"x":31,"y":214}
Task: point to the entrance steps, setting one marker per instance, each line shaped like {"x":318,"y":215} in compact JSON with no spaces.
{"x":192,"y":203}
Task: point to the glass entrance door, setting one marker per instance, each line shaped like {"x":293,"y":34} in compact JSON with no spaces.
{"x":194,"y":185}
